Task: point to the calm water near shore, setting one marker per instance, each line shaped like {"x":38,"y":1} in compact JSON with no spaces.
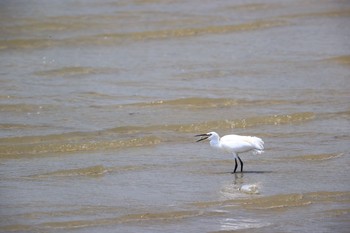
{"x":100,"y":100}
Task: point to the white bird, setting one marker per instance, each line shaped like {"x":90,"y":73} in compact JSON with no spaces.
{"x":234,"y":144}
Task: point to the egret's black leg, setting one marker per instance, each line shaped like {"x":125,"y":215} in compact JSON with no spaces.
{"x":235,"y":166}
{"x":240,"y":162}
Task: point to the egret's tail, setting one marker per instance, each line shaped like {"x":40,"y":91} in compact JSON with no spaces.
{"x":258,"y":152}
{"x":258,"y":144}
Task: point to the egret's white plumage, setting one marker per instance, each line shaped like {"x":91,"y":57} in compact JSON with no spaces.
{"x":234,"y":144}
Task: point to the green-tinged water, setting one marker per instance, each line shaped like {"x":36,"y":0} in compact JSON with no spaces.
{"x":100,"y":102}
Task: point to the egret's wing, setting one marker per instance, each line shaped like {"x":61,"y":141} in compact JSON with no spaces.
{"x":236,"y":143}
{"x":239,"y":143}
{"x":256,"y":142}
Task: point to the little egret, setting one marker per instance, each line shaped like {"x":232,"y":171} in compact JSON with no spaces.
{"x":234,"y":144}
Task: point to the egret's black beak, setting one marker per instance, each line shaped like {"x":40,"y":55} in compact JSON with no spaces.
{"x":203,"y":137}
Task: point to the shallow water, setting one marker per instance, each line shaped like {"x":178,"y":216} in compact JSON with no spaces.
{"x":100,"y":101}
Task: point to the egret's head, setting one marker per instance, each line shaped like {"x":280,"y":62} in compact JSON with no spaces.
{"x":206,"y":136}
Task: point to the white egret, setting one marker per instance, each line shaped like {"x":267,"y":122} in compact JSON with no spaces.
{"x":234,"y":144}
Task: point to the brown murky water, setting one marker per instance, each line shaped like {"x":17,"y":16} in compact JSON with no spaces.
{"x":100,"y":101}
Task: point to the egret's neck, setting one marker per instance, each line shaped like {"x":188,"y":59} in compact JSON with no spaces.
{"x":215,"y":143}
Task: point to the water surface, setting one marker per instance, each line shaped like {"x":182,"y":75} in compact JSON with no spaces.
{"x":100,"y":101}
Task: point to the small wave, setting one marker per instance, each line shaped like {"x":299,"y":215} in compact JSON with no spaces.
{"x":36,"y":149}
{"x":17,"y":228}
{"x":94,"y":171}
{"x":119,"y":38}
{"x":285,"y":201}
{"x":240,"y":223}
{"x":279,"y":201}
{"x":195,"y":102}
{"x":330,"y":13}
{"x":336,"y":212}
{"x":129,"y":218}
{"x":26,"y":43}
{"x":222,"y":124}
{"x":166,"y":216}
{"x":249,"y":122}
{"x":343,"y":60}
{"x":16,"y":147}
{"x":21,"y":108}
{"x":313,"y":157}
{"x":254,"y":7}
{"x":191,"y":102}
{"x":186,"y":32}
{"x":87,"y":210}
{"x":20,"y":126}
{"x":325,"y":196}
{"x":74,"y":71}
